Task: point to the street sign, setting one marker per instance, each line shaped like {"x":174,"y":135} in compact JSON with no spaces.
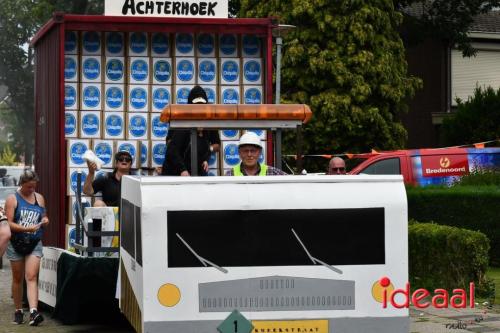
{"x":235,"y":323}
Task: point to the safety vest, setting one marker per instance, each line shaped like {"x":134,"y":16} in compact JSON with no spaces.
{"x":237,"y":170}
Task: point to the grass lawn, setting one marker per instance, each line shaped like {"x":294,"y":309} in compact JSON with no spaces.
{"x":494,"y":274}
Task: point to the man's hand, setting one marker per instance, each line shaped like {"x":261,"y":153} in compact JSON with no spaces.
{"x":45,"y":220}
{"x":33,"y":228}
{"x":204,"y":165}
{"x":185,"y":173}
{"x":92,"y":167}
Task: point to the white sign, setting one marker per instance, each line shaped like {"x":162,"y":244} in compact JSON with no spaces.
{"x":47,"y":279}
{"x":173,"y":8}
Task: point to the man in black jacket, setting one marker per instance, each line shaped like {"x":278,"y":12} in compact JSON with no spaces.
{"x":178,"y":156}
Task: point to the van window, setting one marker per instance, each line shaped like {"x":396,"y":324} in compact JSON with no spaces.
{"x":389,"y":166}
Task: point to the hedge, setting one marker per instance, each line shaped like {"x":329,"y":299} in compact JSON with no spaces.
{"x":447,"y":257}
{"x":473,"y":208}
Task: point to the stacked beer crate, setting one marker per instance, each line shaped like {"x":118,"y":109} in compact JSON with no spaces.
{"x":117,"y":84}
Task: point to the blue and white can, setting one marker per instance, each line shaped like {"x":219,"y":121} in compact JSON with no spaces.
{"x":230,"y":154}
{"x":137,"y":126}
{"x":252,"y":71}
{"x":114,"y":44}
{"x":252,"y":95}
{"x":229,"y":95}
{"x":91,"y":69}
{"x":76,"y":148}
{"x":185,"y":70}
{"x":71,"y":68}
{"x":207,"y":71}
{"x":138,"y":44}
{"x":114,"y":125}
{"x":114,"y":97}
{"x":161,"y":71}
{"x":160,"y":44}
{"x":228,"y":45}
{"x":91,"y":43}
{"x":161,"y":97}
{"x":71,"y":100}
{"x":229,"y":71}
{"x":138,"y":69}
{"x":114,"y":70}
{"x":90,"y":124}
{"x":71,"y":124}
{"x":138,"y":98}
{"x":184,"y":45}
{"x":205,"y":45}
{"x":91,"y":96}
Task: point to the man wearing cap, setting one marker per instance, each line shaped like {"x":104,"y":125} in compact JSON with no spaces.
{"x":110,"y":184}
{"x":249,"y":149}
{"x":178,"y":156}
{"x":336,"y":166}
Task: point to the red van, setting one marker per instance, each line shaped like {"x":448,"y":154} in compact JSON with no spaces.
{"x":428,"y":166}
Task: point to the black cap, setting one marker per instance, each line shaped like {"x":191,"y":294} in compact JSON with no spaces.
{"x":122,"y":153}
{"x":197,"y":93}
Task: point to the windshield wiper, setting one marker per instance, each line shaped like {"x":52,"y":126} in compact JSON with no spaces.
{"x":315,"y":260}
{"x":200,"y":258}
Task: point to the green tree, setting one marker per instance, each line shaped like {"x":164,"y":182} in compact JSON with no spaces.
{"x":476,"y":120}
{"x":7,"y":157}
{"x":19,"y":21}
{"x":346,"y":60}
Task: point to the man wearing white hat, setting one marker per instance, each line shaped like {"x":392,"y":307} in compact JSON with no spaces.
{"x":249,"y":149}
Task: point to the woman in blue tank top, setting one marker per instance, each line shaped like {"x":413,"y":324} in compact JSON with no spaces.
{"x":26,"y":215}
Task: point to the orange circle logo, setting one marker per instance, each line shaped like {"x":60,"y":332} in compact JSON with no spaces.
{"x":444,"y":162}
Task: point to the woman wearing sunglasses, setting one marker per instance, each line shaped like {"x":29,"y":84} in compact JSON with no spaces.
{"x":110,"y":184}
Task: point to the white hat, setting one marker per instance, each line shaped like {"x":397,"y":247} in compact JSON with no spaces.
{"x":250,"y":138}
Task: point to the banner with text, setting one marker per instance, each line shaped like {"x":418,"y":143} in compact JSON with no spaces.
{"x":173,"y":8}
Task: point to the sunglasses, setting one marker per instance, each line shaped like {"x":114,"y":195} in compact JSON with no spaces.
{"x":337,"y":169}
{"x":124,"y":159}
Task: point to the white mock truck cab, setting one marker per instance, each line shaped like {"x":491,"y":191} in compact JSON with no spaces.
{"x":263,"y":254}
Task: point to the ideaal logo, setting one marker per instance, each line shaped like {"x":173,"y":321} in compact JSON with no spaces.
{"x":70,"y":41}
{"x":185,"y":70}
{"x":138,"y":42}
{"x":69,"y":68}
{"x":91,"y":69}
{"x":139,"y":70}
{"x":138,"y":98}
{"x":69,"y":124}
{"x":114,"y":43}
{"x":137,"y":126}
{"x":228,"y":44}
{"x":161,"y":98}
{"x":91,"y":41}
{"x":114,"y":70}
{"x":104,"y":151}
{"x":159,"y":43}
{"x":90,"y":124}
{"x":162,"y":71}
{"x":205,"y":44}
{"x":114,"y":125}
{"x":252,"y":71}
{"x":159,"y":151}
{"x":91,"y":96}
{"x":114,"y":97}
{"x":383,"y":292}
{"x":206,"y":71}
{"x":230,"y":71}
{"x":73,"y":178}
{"x":253,"y":96}
{"x":184,"y":43}
{"x":128,"y":147}
{"x":69,"y":96}
{"x":251,"y":45}
{"x":76,"y":152}
{"x":230,"y":96}
{"x":160,"y":129}
{"x":182,"y":96}
{"x":231,"y":155}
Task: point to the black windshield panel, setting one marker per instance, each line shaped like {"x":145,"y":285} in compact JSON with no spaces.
{"x":235,"y":238}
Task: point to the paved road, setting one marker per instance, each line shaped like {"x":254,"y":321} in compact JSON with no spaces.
{"x":427,"y":321}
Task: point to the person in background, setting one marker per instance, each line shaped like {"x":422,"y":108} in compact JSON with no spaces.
{"x":249,"y":149}
{"x":336,"y":166}
{"x":110,"y":184}
{"x":178,"y":156}
{"x":27,"y":218}
{"x":4,"y":232}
